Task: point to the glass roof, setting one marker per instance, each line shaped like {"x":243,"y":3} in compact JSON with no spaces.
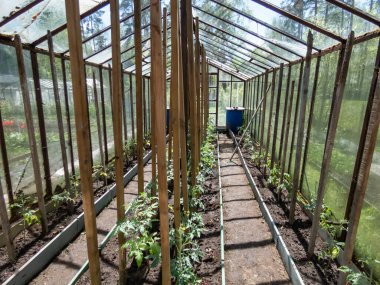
{"x":244,"y":36}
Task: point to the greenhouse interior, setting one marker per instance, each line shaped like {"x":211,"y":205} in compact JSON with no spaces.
{"x":190,"y":142}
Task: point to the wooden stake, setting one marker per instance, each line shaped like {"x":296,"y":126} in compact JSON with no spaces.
{"x":41,"y":123}
{"x":131,"y":102}
{"x":174,"y":94}
{"x":117,"y":129}
{"x":264,"y":111}
{"x":31,"y":132}
{"x":270,"y":118}
{"x":362,"y":182}
{"x":362,"y":137}
{"x":287,"y":129}
{"x":183,"y":127}
{"x":301,"y":125}
{"x":192,"y":94}
{"x":197,"y":95}
{"x":158,"y":94}
{"x":280,"y":157}
{"x":310,"y":120}
{"x":67,"y":111}
{"x":104,"y":122}
{"x":139,"y":97}
{"x":337,"y":103}
{"x":6,"y":228}
{"x":124,"y":108}
{"x":295,"y":116}
{"x":83,"y":135}
{"x":58,"y":109}
{"x":277,"y":114}
{"x":98,"y":119}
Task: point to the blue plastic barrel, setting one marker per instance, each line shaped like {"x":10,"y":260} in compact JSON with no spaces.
{"x":234,"y":118}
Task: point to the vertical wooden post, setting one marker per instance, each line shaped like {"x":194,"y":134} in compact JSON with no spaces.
{"x":264,"y":110}
{"x":217,"y":98}
{"x":83,"y":135}
{"x":277,"y":114}
{"x":197,"y":93}
{"x":362,"y":136}
{"x":273,"y":86}
{"x":295,"y":116}
{"x":31,"y":132}
{"x":158,"y":94}
{"x":164,"y":49}
{"x":184,"y":63}
{"x":144,"y":105}
{"x":67,"y":111}
{"x":41,"y":123}
{"x":371,"y":129}
{"x":117,"y":129}
{"x":280,"y":157}
{"x":204,"y":93}
{"x":192,"y":93}
{"x":104,"y":122}
{"x":131,"y":102}
{"x":4,"y":157}
{"x":139,"y":97}
{"x":183,"y":126}
{"x":6,"y":228}
{"x":301,"y":125}
{"x":124,"y":108}
{"x":310,"y":120}
{"x":58,"y":109}
{"x":337,"y":103}
{"x":98,"y":124}
{"x":287,"y":129}
{"x":174,"y":94}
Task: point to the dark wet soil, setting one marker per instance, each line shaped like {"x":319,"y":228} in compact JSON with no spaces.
{"x":30,"y":241}
{"x":314,"y":270}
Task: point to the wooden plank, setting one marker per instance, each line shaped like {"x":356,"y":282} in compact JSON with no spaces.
{"x":301,"y":125}
{"x":337,"y":103}
{"x":274,"y":158}
{"x":98,"y":124}
{"x":158,"y":94}
{"x":83,"y":135}
{"x":310,"y":120}
{"x":117,"y":130}
{"x":104,"y":122}
{"x":58,"y":110}
{"x":67,"y":113}
{"x":41,"y":123}
{"x":371,"y":128}
{"x":139,"y":96}
{"x":31,"y":132}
